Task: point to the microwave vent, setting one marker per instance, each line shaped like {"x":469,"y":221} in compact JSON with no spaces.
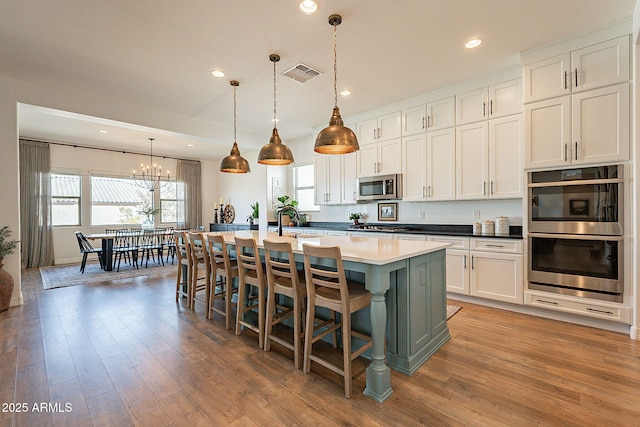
{"x":301,"y":73}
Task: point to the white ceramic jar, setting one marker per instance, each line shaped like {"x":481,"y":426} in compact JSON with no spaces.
{"x":488,"y":228}
{"x":502,"y":226}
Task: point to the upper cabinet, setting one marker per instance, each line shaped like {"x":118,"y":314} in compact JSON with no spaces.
{"x":381,"y":128}
{"x":435,"y":115}
{"x":380,"y":159}
{"x":335,"y":179}
{"x":595,"y":66}
{"x":414,"y":120}
{"x":499,"y":100}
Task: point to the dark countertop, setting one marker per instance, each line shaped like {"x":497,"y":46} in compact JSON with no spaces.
{"x":515,"y":231}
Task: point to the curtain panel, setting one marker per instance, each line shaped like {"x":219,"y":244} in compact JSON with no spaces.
{"x":189,"y":194}
{"x":36,"y":231}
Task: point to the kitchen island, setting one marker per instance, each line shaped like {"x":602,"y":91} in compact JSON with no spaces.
{"x":406,"y":279}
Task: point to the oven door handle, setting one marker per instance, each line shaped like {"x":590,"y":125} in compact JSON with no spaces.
{"x":577,"y":236}
{"x":585,"y":182}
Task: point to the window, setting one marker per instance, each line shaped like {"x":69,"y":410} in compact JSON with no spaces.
{"x":117,"y":201}
{"x":65,"y":199}
{"x":304,"y":190}
{"x":168,"y":202}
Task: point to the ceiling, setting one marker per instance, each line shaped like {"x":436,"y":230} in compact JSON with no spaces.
{"x":159,"y":54}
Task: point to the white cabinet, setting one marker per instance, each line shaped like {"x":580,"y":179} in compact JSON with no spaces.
{"x":497,"y":270}
{"x":328,"y":179}
{"x":441,"y":165}
{"x":414,"y":120}
{"x":419,"y":237}
{"x":489,"y":102}
{"x":441,"y":114}
{"x":380,"y":128}
{"x":349,"y":178}
{"x":414,"y":168}
{"x":592,"y":67}
{"x":584,"y":128}
{"x":457,"y":262}
{"x":488,"y":157}
{"x":380,"y":158}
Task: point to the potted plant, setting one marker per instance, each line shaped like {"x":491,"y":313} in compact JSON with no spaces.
{"x":255,"y":214}
{"x":7,"y":247}
{"x":149,"y":212}
{"x":355,"y":217}
{"x":288,"y":207}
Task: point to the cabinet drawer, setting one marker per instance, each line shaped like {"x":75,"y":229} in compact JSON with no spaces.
{"x":497,"y":245}
{"x":567,"y":305}
{"x":456,"y":242}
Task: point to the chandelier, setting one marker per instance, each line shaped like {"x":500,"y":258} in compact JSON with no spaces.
{"x":151,"y":176}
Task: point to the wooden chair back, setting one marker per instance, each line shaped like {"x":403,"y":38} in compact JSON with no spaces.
{"x":325,"y":277}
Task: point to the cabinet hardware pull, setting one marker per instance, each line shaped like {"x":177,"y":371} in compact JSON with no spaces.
{"x":565,"y":79}
{"x":576,"y":153}
{"x":379,"y":167}
{"x":472,"y":266}
{"x":423,"y":123}
{"x":484,"y":188}
{"x":491,"y":187}
{"x":429,"y":121}
{"x":494,"y":246}
{"x":576,"y":77}
{"x":374,"y":167}
{"x":484,"y":108}
{"x":600,"y":311}
{"x":374,"y":133}
{"x":423,"y":191}
{"x":546,"y":302}
{"x":428,"y":191}
{"x":379,"y":133}
{"x":565,"y":151}
{"x":491,"y":107}
{"x":465,"y":262}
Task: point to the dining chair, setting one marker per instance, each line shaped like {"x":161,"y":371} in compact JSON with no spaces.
{"x":125,"y":244}
{"x":251,"y":273}
{"x":184,"y":265}
{"x":150,"y":241}
{"x":86,"y":249}
{"x":283,"y":279}
{"x":327,"y":287}
{"x":200,"y":269}
{"x":227,"y":269}
{"x":169,"y":243}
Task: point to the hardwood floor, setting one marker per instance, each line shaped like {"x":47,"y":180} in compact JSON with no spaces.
{"x":124,"y":353}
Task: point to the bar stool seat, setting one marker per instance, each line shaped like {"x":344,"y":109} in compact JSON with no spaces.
{"x":227,"y":269}
{"x":328,"y":287}
{"x":251,"y":274}
{"x":284,"y":279}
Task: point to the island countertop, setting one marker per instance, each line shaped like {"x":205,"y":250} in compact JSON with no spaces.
{"x":367,"y":250}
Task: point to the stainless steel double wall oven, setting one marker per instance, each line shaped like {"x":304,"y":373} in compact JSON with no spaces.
{"x":576,"y":232}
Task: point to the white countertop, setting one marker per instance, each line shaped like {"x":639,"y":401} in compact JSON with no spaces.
{"x":368,"y":250}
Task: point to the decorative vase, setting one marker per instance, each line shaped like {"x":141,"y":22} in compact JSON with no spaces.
{"x":6,"y":288}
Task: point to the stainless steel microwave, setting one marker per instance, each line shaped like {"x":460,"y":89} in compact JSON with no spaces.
{"x":380,"y":187}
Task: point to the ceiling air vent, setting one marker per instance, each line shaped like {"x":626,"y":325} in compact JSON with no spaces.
{"x":301,"y":73}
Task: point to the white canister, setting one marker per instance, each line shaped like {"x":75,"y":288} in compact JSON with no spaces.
{"x":488,"y":228}
{"x":477,"y":228}
{"x":502,"y":225}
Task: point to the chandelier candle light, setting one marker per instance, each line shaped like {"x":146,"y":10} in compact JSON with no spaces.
{"x":234,"y":162}
{"x":151,"y":176}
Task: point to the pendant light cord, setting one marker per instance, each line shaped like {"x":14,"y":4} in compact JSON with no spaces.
{"x":274,"y":96}
{"x":335,"y":65}
{"x":234,"y":114}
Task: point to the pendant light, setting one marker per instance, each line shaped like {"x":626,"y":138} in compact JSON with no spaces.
{"x":336,"y":138}
{"x":234,"y":162}
{"x":275,"y":153}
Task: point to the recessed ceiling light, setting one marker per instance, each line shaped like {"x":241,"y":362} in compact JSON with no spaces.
{"x":217,"y":73}
{"x":473,"y":43}
{"x":103,"y":131}
{"x":189,"y":145}
{"x":308,"y":6}
{"x":345,"y":93}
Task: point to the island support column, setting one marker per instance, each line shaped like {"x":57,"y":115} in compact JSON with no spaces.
{"x":378,"y":384}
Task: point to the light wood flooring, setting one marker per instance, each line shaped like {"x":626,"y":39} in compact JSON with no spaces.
{"x":120,"y":354}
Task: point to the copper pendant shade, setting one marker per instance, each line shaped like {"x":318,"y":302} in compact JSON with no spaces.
{"x":336,"y":138}
{"x":234,"y":162}
{"x":275,"y":153}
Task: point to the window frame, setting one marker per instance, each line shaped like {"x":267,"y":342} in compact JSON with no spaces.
{"x":78,"y":198}
{"x":174,"y":200}
{"x":296,"y":188}
{"x":91,"y":203}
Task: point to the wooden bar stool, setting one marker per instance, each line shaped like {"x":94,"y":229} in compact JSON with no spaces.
{"x":327,"y":287}
{"x":227,"y":269}
{"x":200,"y":269}
{"x":251,"y":274}
{"x":184,"y":265}
{"x":284,"y":279}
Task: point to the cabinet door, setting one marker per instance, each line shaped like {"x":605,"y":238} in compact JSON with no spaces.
{"x":320,"y":173}
{"x":497,"y":276}
{"x":367,"y":131}
{"x":472,"y":162}
{"x":414,"y":173}
{"x":548,"y":133}
{"x":441,"y":165}
{"x":600,"y":65}
{"x":349,"y":175}
{"x":390,"y":126}
{"x":472,"y":106}
{"x":367,"y":160}
{"x":458,"y":271}
{"x":600,"y":125}
{"x":334,"y":179}
{"x":505,"y":99}
{"x":390,"y":157}
{"x":505,"y":164}
{"x":413,"y":120}
{"x":441,"y":114}
{"x":547,"y":78}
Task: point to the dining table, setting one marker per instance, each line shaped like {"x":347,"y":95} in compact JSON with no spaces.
{"x":107,"y":240}
{"x":406,"y":278}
